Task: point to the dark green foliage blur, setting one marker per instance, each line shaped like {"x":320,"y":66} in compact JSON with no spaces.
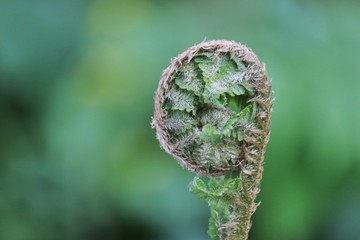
{"x":78,"y":159}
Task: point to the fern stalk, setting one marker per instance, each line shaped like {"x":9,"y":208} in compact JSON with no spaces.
{"x":212,"y":114}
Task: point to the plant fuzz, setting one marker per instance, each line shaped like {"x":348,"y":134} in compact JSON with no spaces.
{"x":212,"y":114}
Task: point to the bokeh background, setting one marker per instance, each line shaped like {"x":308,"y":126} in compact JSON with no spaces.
{"x":78,"y":159}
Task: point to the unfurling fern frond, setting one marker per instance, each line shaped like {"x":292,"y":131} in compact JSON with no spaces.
{"x":212,"y":114}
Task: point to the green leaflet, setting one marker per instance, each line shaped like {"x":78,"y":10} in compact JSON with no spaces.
{"x":189,"y":79}
{"x":216,"y":116}
{"x":209,"y":133}
{"x":179,"y":121}
{"x":187,"y":140}
{"x":198,"y":187}
{"x":210,"y":154}
{"x":220,"y":76}
{"x":181,"y":100}
{"x":218,"y":189}
{"x":219,"y":194}
{"x":213,"y":232}
{"x":240,"y":64}
{"x":207,"y":109}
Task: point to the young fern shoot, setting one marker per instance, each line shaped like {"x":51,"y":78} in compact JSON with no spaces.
{"x":212,"y":114}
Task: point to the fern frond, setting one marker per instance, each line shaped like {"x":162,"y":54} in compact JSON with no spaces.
{"x":188,"y":79}
{"x":212,"y":113}
{"x":179,"y":121}
{"x":181,"y":100}
{"x":215,"y":115}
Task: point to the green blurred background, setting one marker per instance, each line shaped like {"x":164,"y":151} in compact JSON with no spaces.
{"x":78,"y":159}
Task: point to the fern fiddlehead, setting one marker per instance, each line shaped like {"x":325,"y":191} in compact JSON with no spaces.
{"x":212,"y":114}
